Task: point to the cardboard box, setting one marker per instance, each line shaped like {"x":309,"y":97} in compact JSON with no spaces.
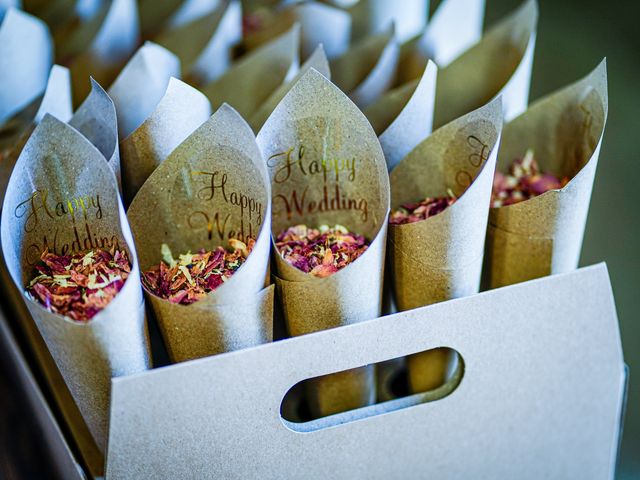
{"x":541,"y":396}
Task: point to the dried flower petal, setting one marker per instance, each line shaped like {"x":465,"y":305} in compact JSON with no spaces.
{"x":79,"y":286}
{"x":524,"y":181}
{"x":414,"y":212}
{"x":320,"y":252}
{"x":193,"y":275}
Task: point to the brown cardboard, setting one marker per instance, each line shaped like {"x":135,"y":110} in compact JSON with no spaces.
{"x":343,"y":154}
{"x":248,"y":83}
{"x":372,"y":16}
{"x":204,"y":46}
{"x":367,"y":69}
{"x":456,"y":25}
{"x":543,"y":235}
{"x":26,"y":56}
{"x":212,"y":187}
{"x":115,"y":341}
{"x":492,"y":426}
{"x":317,"y":60}
{"x":402,"y":117}
{"x":179,"y":111}
{"x":321,"y":25}
{"x":500,"y":64}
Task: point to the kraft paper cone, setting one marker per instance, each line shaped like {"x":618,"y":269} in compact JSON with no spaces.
{"x":543,"y":235}
{"x":317,"y":60}
{"x":141,"y":84}
{"x":205,"y":45}
{"x":179,"y":112}
{"x":57,"y":168}
{"x":455,"y":26}
{"x":500,"y":64}
{"x":321,"y":25}
{"x":342,"y":155}
{"x":402,"y":117}
{"x":250,"y":82}
{"x":213,"y":187}
{"x":26,"y":56}
{"x":368,"y":69}
{"x":440,"y":258}
{"x":372,"y":16}
{"x":16,"y":131}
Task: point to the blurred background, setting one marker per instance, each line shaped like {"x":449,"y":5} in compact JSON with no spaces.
{"x":573,"y":36}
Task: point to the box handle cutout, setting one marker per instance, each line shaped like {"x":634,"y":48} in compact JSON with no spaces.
{"x":317,"y":403}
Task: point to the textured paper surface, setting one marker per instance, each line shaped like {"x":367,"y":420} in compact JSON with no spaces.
{"x":141,"y":84}
{"x":247,"y":84}
{"x":372,"y":16}
{"x":96,"y":120}
{"x":493,"y":412}
{"x":321,"y":25}
{"x":500,"y":64}
{"x":455,"y":26}
{"x":100,"y":47}
{"x":213,"y":187}
{"x":543,"y":235}
{"x":178,"y":113}
{"x":317,"y":60}
{"x":58,"y":167}
{"x":15,"y":132}
{"x":204,"y":46}
{"x":368,"y":69}
{"x":327,"y":167}
{"x":403,"y":116}
{"x":26,"y":56}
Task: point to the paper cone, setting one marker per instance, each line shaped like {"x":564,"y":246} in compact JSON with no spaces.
{"x":96,"y":120}
{"x":100,"y":47}
{"x":402,"y":117}
{"x":543,"y":235}
{"x":57,"y":166}
{"x":317,"y":60}
{"x":440,"y":258}
{"x":204,"y":46}
{"x":500,"y":64}
{"x":213,"y":187}
{"x":179,"y":112}
{"x":257,"y":75}
{"x":26,"y":56}
{"x":172,"y":13}
{"x":321,"y":25}
{"x":373,"y":16}
{"x":368,"y":69}
{"x":319,"y":119}
{"x":16,"y":131}
{"x":455,"y":26}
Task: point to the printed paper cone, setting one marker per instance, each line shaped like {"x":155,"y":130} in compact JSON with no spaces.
{"x":455,"y":26}
{"x":178,"y":113}
{"x":317,"y":60}
{"x":250,"y":82}
{"x":141,"y":84}
{"x":327,"y":167}
{"x":26,"y":56}
{"x":368,"y":69}
{"x":59,"y":170}
{"x":16,"y":131}
{"x":543,"y":235}
{"x":373,"y":16}
{"x":440,"y":258}
{"x":96,"y":120}
{"x":100,"y":47}
{"x":315,"y":19}
{"x":205,"y":45}
{"x":213,"y":187}
{"x":402,"y":117}
{"x":500,"y":64}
